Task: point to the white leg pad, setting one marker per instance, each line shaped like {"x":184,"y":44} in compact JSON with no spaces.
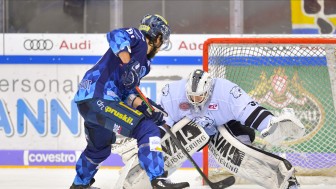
{"x":125,"y":147}
{"x":255,"y":165}
{"x":193,"y":138}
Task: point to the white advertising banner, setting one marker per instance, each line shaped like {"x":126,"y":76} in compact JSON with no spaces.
{"x":1,"y":44}
{"x":90,"y":44}
{"x":55,"y":44}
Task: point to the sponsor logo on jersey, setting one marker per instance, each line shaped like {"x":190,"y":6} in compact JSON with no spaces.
{"x":155,"y":144}
{"x":119,"y":115}
{"x":236,"y":92}
{"x":100,"y":104}
{"x":117,"y":128}
{"x":137,"y":112}
{"x":213,"y":106}
{"x":184,"y":106}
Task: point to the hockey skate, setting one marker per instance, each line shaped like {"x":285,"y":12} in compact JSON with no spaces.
{"x":164,"y":183}
{"x":282,"y":127}
{"x":73,"y":186}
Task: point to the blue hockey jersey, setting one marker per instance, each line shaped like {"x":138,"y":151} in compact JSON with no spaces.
{"x":103,"y":79}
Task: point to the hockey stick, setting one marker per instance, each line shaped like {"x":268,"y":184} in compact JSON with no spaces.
{"x":214,"y":185}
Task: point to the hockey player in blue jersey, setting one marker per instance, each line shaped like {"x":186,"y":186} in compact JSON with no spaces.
{"x":107,"y":101}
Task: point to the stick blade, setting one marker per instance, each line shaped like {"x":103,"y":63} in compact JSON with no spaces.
{"x":227,"y":182}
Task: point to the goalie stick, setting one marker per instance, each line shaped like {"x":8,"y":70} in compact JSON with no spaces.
{"x":214,"y":185}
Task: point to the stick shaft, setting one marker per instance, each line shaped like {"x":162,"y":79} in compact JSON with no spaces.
{"x":144,"y":98}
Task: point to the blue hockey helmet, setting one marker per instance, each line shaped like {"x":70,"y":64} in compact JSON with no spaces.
{"x":155,"y":25}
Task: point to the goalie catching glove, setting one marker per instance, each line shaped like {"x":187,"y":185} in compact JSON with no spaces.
{"x":131,"y":74}
{"x":285,"y":126}
{"x":156,"y":116}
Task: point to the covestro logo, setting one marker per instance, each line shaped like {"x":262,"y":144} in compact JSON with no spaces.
{"x":50,"y":158}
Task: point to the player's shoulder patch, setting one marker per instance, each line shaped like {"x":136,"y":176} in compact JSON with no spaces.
{"x":236,"y":91}
{"x":165,"y":90}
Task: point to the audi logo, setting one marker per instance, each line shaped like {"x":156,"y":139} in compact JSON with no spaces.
{"x":38,"y":44}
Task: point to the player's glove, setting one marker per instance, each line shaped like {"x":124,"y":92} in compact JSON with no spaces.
{"x":155,"y":116}
{"x":157,"y":107}
{"x":131,"y":74}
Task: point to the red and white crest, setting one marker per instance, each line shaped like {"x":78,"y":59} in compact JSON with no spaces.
{"x":279,"y":84}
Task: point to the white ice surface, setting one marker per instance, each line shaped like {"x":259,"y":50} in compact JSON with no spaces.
{"x":43,"y":178}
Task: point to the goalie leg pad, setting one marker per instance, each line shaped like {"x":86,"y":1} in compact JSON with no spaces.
{"x":193,"y":138}
{"x":263,"y":168}
{"x":125,"y":147}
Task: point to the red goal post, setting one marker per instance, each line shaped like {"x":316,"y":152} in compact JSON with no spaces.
{"x":296,"y":72}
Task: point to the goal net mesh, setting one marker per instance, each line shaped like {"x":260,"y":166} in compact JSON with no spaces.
{"x":279,"y":73}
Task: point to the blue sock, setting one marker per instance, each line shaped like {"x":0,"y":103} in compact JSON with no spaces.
{"x":85,"y":171}
{"x":151,"y":161}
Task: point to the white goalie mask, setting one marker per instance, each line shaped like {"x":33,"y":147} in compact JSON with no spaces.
{"x":199,"y":88}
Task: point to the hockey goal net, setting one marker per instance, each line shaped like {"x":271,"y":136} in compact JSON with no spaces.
{"x":279,"y":72}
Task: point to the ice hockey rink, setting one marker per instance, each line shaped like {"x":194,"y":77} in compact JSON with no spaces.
{"x":106,"y":178}
{"x":282,"y":53}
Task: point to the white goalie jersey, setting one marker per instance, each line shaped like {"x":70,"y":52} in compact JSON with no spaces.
{"x":227,"y":102}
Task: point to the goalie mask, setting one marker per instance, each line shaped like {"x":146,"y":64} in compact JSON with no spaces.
{"x":199,"y":88}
